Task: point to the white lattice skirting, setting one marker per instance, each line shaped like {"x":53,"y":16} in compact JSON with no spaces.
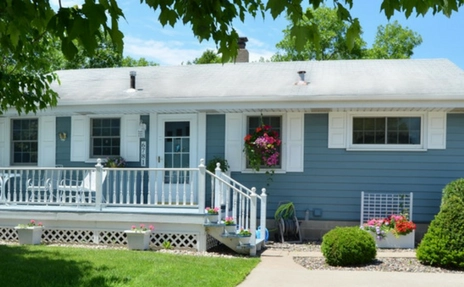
{"x":177,"y":240}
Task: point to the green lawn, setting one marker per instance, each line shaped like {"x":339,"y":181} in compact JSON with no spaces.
{"x":67,"y":266}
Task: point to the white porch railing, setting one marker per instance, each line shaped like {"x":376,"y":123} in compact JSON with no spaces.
{"x":237,"y":201}
{"x":158,"y":188}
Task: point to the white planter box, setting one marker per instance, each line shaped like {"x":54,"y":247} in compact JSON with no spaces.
{"x":138,"y":240}
{"x":244,"y":240}
{"x":30,"y":235}
{"x":212,"y":218}
{"x":230,"y":229}
{"x":390,"y":241}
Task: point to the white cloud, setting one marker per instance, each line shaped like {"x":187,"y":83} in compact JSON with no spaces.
{"x":163,"y":53}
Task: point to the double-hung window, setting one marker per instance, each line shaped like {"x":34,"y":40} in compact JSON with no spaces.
{"x":105,"y":137}
{"x":24,"y":141}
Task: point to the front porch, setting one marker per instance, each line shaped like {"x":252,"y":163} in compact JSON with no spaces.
{"x":112,"y":200}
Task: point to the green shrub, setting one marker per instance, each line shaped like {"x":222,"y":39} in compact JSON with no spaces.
{"x":345,"y":246}
{"x":454,"y":188}
{"x":443,"y":243}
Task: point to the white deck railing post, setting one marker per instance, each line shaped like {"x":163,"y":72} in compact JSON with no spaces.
{"x":217,"y":186}
{"x":253,"y":213}
{"x":98,"y":185}
{"x":262,"y":233}
{"x":201,"y":186}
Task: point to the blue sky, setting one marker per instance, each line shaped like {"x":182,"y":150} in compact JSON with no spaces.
{"x":145,"y":37}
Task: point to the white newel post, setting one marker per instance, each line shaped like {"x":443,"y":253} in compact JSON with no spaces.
{"x":217,"y":186}
{"x":201,"y":186}
{"x":98,"y":185}
{"x":262,"y":234}
{"x":253,"y":213}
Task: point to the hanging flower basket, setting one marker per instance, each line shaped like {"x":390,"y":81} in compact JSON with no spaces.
{"x":262,"y":147}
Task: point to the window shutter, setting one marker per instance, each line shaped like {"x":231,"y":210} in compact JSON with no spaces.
{"x":4,"y":142}
{"x":80,"y":138}
{"x":47,"y":141}
{"x":130,"y":143}
{"x":234,"y":141}
{"x":294,"y":142}
{"x":337,"y":130}
{"x":436,"y":133}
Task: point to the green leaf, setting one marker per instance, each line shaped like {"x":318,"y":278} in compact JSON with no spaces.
{"x":275,"y":7}
{"x":353,"y":33}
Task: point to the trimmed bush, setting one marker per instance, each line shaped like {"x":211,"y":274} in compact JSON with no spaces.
{"x":454,"y":188}
{"x":443,"y":244}
{"x":345,"y":246}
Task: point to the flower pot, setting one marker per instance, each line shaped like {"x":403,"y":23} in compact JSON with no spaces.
{"x":230,"y":229}
{"x":391,"y":241}
{"x":244,"y":240}
{"x":30,"y":235}
{"x":212,"y":218}
{"x":138,"y":240}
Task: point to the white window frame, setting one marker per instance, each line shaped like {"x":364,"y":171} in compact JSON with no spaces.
{"x":386,"y":147}
{"x":37,"y":141}
{"x":91,"y":153}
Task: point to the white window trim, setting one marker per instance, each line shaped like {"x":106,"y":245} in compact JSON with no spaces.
{"x":80,"y":137}
{"x":387,"y":147}
{"x":433,"y":131}
{"x":292,"y":136}
{"x":46,"y":140}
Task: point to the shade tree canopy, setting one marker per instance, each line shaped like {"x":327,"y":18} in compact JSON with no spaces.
{"x":392,"y":41}
{"x":25,"y":25}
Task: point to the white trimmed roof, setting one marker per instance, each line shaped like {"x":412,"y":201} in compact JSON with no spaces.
{"x":270,"y":85}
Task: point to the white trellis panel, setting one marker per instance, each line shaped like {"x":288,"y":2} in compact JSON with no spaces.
{"x":381,"y":205}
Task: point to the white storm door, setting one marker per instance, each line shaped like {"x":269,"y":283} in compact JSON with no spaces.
{"x":177,"y":149}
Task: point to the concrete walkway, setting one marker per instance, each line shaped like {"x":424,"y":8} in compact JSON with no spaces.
{"x":277,"y":269}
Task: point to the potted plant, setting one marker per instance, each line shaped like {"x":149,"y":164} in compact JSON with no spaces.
{"x":138,"y":238}
{"x":211,"y":166}
{"x":30,"y":233}
{"x":115,"y":162}
{"x":230,"y":227}
{"x":394,"y":231}
{"x":212,"y":215}
{"x":244,"y":236}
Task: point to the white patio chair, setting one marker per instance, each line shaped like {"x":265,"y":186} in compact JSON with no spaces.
{"x":79,"y":190}
{"x":41,"y":188}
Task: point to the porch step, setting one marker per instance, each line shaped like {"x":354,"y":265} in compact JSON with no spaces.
{"x":231,"y":240}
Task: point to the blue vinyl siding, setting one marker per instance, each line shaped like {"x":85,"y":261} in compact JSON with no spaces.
{"x":334,"y":178}
{"x":215,"y":136}
{"x":215,"y":143}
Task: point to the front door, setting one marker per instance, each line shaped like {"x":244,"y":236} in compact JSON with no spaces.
{"x":177,"y":149}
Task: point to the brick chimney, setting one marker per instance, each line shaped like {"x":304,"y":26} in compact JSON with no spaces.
{"x":242,"y":56}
